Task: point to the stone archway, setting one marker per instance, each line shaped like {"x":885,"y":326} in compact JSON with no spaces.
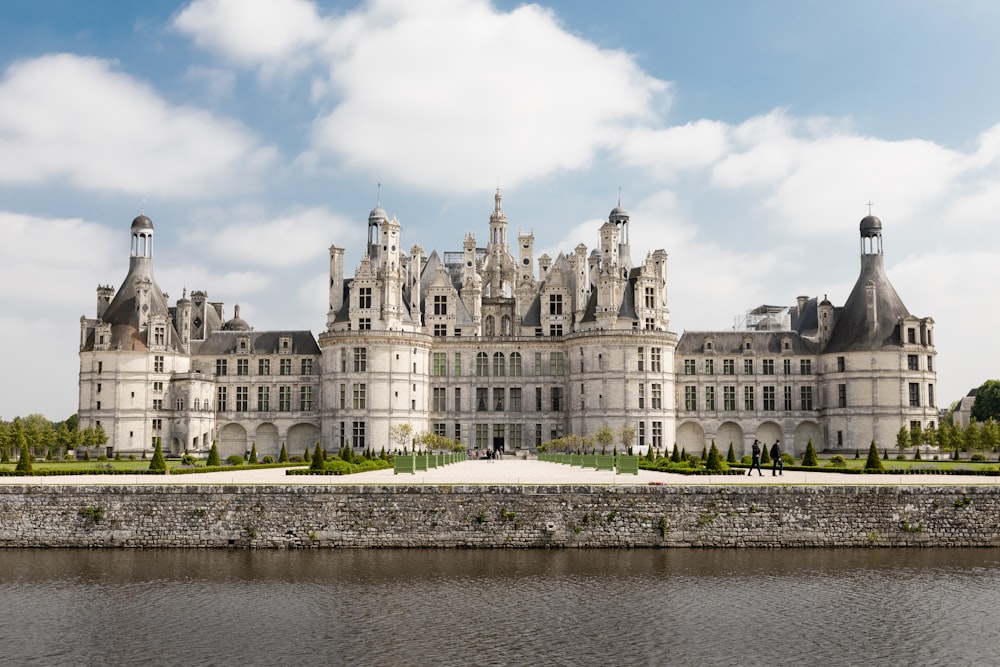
{"x":768,"y":432}
{"x":731,"y":433}
{"x":805,"y":432}
{"x":690,"y":438}
{"x":232,"y":440}
{"x":266,"y":440}
{"x":302,"y":437}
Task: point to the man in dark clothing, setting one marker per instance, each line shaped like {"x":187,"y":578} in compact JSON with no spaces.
{"x":755,"y":460}
{"x":777,"y":465}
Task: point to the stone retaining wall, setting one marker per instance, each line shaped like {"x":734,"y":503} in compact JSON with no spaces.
{"x":498,"y":516}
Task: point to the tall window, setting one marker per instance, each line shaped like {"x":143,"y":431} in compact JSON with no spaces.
{"x":650,"y":297}
{"x":788,"y":398}
{"x":514,"y":432}
{"x":221,"y":367}
{"x":365,"y":297}
{"x":729,"y":398}
{"x":786,"y":365}
{"x":641,"y":360}
{"x":242,"y":399}
{"x":458,"y":364}
{"x":748,"y":402}
{"x":557,"y":399}
{"x":499,"y":364}
{"x":555,"y":363}
{"x":538,"y":399}
{"x":360,"y":396}
{"x":358,"y":435}
{"x":930,"y":395}
{"x":221,"y":404}
{"x":439,"y":364}
{"x":656,"y":396}
{"x":458,"y":399}
{"x":555,"y":304}
{"x":709,"y":367}
{"x":768,"y":398}
{"x":689,"y":367}
{"x":654,"y":359}
{"x":748,"y":366}
{"x":914,"y":394}
{"x":657,"y":435}
{"x":498,"y":399}
{"x":841,"y":364}
{"x":243,"y":367}
{"x":306,"y":398}
{"x":360,"y":359}
{"x":642,"y":396}
{"x":343,"y":396}
{"x":767,"y":366}
{"x":482,"y":397}
{"x":515,"y":399}
{"x":284,"y":399}
{"x":263,"y":367}
{"x":158,"y":364}
{"x":307,"y":367}
{"x":439,"y":399}
{"x":842,"y":395}
{"x":729,"y":367}
{"x":263,"y":399}
{"x":515,"y":364}
{"x":482,"y":364}
{"x":805,"y":366}
{"x":690,"y":398}
{"x":912,"y":362}
{"x":285,"y":367}
{"x":806,"y":398}
{"x":440,"y":304}
{"x":159,"y":335}
{"x":710,"y":398}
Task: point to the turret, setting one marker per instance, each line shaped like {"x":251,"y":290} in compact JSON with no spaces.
{"x":336,"y":284}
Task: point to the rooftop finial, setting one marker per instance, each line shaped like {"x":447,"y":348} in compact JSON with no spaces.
{"x":870,"y":204}
{"x":619,"y":195}
{"x":378,"y":199}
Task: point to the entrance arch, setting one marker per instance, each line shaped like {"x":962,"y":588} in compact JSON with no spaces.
{"x":731,"y":433}
{"x":266,"y":440}
{"x":805,"y":432}
{"x":691,"y":437}
{"x":232,"y":440}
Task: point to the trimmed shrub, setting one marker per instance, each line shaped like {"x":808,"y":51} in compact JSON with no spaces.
{"x":731,"y":456}
{"x":235,"y":460}
{"x":317,"y":462}
{"x":874,"y":463}
{"x":714,"y":462}
{"x":253,"y":455}
{"x":765,"y":458}
{"x":283,"y":456}
{"x":810,"y":459}
{"x":267,"y":459}
{"x":837,"y":461}
{"x":676,"y":455}
{"x":189,"y":460}
{"x":213,"y":456}
{"x":158,"y":463}
{"x":23,"y":466}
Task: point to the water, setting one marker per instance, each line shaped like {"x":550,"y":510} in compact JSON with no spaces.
{"x":450,"y":607}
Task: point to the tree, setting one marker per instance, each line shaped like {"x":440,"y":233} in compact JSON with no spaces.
{"x":987,"y":403}
{"x":810,"y":459}
{"x":675,"y":456}
{"x":158,"y":463}
{"x":283,"y":456}
{"x":874,"y":463}
{"x":213,"y":456}
{"x":604,"y":437}
{"x":627,"y":436}
{"x":253,"y":454}
{"x":317,"y":464}
{"x":902,"y":438}
{"x":23,"y":466}
{"x":731,"y":455}
{"x":765,"y":457}
{"x":714,"y":462}
{"x":401,"y":435}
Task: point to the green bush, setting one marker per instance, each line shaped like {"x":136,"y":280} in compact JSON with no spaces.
{"x":714,"y":462}
{"x":731,"y":456}
{"x":317,"y":463}
{"x":978,"y":458}
{"x":235,"y":460}
{"x":253,"y":455}
{"x":267,"y":459}
{"x":189,"y":460}
{"x":810,"y":459}
{"x":837,"y":461}
{"x":874,"y":463}
{"x":158,"y":463}
{"x":283,"y":456}
{"x":24,"y":463}
{"x":213,"y":456}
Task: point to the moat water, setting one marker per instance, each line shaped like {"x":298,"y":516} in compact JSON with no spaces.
{"x":466,"y":607}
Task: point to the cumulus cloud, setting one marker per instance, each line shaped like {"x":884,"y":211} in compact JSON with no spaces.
{"x":67,"y":118}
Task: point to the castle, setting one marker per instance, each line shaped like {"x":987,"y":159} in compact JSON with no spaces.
{"x":497,"y":349}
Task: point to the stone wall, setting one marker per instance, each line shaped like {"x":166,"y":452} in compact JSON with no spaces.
{"x":498,"y":516}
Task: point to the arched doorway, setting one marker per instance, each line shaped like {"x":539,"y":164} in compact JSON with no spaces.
{"x":232,"y":440}
{"x":690,"y":438}
{"x":730,"y":433}
{"x":805,"y":432}
{"x":266,"y":440}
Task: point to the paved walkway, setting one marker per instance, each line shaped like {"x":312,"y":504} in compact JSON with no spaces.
{"x":508,"y":471}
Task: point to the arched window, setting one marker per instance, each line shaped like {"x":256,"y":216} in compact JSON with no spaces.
{"x":482,"y":364}
{"x":490,"y":326}
{"x":197,"y":404}
{"x":505,"y":325}
{"x":499,"y":367}
{"x":515,"y":364}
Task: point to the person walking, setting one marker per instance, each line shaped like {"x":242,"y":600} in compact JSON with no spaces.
{"x":777,"y":465}
{"x":755,"y":458}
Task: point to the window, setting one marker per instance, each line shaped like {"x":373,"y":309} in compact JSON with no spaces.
{"x":159,"y":335}
{"x":514,"y":432}
{"x":787,"y":366}
{"x":243,"y":367}
{"x":709,"y":367}
{"x":343,"y":396}
{"x":458,"y":364}
{"x":748,"y":366}
{"x":656,"y":396}
{"x":263,"y":399}
{"x":482,"y":396}
{"x":650,"y":297}
{"x":364,"y":324}
{"x":439,"y":364}
{"x":157,"y":386}
{"x":748,"y":402}
{"x":100,"y":366}
{"x":263,"y":367}
{"x":642,"y":360}
{"x":439,"y":399}
{"x":343,"y":360}
{"x":729,"y":398}
{"x":555,"y":330}
{"x":657,"y":435}
{"x":557,"y":399}
{"x":538,"y":363}
{"x":806,"y":398}
{"x":458,"y":399}
{"x":220,"y":399}
{"x":642,"y":433}
{"x":482,"y":436}
{"x":911,"y":335}
{"x":499,"y":364}
{"x":440,"y":330}
{"x":157,"y":403}
{"x":538,"y":399}
{"x":360,"y":401}
{"x":729,"y":367}
{"x":482,"y":364}
{"x":285,"y":367}
{"x":912,"y":362}
{"x":930,"y":363}
{"x":306,"y":398}
{"x":458,"y":433}
{"x":690,"y":398}
{"x":841,"y":364}
{"x":788,"y":398}
{"x":307,"y":367}
{"x":220,"y":367}
{"x":930,"y":395}
{"x":555,"y":363}
{"x":654,"y":359}
{"x":768,"y":397}
{"x":767,"y":366}
{"x":842,"y":395}
{"x":440,"y":304}
{"x":805,"y":366}
{"x":515,"y":364}
{"x":914,"y":395}
{"x":358,"y":435}
{"x":689,"y":367}
{"x":555,"y":304}
{"x":441,"y":430}
{"x":158,"y":364}
{"x":365,"y":297}
{"x":642,"y":396}
{"x":710,"y":398}
{"x":360,"y":359}
{"x":515,"y":399}
{"x":242,"y":399}
{"x":498,"y":399}
{"x":157,"y":424}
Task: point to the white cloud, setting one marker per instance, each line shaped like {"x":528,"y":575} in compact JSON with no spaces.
{"x":685,"y":147}
{"x":74,"y":119}
{"x":217,"y":83}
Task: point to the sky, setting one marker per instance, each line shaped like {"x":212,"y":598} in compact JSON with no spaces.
{"x":746,"y":139}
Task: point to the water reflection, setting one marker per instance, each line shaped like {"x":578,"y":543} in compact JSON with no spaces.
{"x":495,"y":607}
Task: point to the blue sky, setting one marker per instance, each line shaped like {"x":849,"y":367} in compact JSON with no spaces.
{"x":745,"y":139}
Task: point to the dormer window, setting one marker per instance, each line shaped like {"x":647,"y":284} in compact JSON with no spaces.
{"x":285,"y":344}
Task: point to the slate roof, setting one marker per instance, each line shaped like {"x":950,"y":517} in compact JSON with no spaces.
{"x":262,"y":342}
{"x":731,"y":342}
{"x":852,"y":331}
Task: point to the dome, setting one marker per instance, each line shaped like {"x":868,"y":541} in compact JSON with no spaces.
{"x":141,"y":222}
{"x":237,"y":323}
{"x":378,"y":212}
{"x":617,"y":212}
{"x":871,"y":226}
